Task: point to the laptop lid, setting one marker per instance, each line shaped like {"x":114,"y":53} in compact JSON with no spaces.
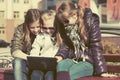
{"x":42,"y":63}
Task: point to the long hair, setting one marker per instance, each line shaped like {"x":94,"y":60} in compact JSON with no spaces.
{"x":31,"y":16}
{"x":71,"y":8}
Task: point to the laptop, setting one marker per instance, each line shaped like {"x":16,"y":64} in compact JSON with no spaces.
{"x":42,"y":63}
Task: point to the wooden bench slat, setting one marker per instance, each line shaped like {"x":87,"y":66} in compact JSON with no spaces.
{"x":113,"y":68}
{"x":99,"y":78}
{"x":8,"y":73}
{"x":112,"y":57}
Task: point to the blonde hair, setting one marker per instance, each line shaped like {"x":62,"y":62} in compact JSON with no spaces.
{"x":81,"y":23}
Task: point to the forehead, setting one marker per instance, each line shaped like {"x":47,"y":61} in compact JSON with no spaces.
{"x":48,"y":14}
{"x":70,"y":12}
{"x":34,"y":24}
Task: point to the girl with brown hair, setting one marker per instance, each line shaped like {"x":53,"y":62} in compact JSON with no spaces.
{"x":24,"y":36}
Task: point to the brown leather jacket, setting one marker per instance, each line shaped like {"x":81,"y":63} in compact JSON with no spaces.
{"x":17,"y":43}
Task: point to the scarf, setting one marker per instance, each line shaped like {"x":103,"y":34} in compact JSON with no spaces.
{"x":73,"y":33}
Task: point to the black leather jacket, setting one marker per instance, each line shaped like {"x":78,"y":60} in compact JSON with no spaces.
{"x":94,"y":51}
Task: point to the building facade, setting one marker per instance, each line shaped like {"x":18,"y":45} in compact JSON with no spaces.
{"x":12,"y":12}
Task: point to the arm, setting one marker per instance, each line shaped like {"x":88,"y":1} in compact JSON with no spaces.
{"x":17,"y":43}
{"x":63,"y":52}
{"x":96,"y":47}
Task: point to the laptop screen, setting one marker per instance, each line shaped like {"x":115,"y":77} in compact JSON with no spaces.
{"x":42,"y":63}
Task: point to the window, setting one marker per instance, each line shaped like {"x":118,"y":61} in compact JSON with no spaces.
{"x":3,"y":32}
{"x":51,"y":7}
{"x":104,"y":18}
{"x":26,"y":1}
{"x":1,"y":14}
{"x":16,"y":1}
{"x":16,"y":14}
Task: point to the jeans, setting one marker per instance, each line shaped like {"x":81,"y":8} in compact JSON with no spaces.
{"x":49,"y":75}
{"x":22,"y":72}
{"x":76,"y":70}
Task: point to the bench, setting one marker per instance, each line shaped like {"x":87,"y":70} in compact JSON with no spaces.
{"x":7,"y":73}
{"x":111,"y":68}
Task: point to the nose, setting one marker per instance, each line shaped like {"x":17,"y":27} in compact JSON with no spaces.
{"x":75,"y":16}
{"x":36,"y":30}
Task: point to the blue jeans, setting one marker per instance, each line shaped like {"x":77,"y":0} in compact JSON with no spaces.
{"x":22,"y":72}
{"x":76,"y":70}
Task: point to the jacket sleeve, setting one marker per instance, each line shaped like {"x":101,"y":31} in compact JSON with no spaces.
{"x":63,"y":51}
{"x":17,"y":41}
{"x":96,"y":46}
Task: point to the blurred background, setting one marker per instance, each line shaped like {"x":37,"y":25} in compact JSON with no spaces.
{"x":12,"y":14}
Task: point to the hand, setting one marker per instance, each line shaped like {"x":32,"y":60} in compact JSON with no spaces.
{"x":108,"y":75}
{"x":59,"y":58}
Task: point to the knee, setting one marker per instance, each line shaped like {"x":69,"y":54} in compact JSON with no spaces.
{"x":49,"y":75}
{"x":64,"y":65}
{"x":36,"y":74}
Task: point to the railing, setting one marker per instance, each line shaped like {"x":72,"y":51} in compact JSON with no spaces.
{"x":115,"y":30}
{"x":5,"y":60}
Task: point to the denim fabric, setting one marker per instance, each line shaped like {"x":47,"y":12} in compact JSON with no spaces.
{"x":20,"y":69}
{"x":37,"y":75}
{"x":22,"y":72}
{"x":76,"y":70}
{"x":49,"y":75}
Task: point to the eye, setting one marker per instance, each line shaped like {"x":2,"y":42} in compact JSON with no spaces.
{"x":37,"y":26}
{"x":34,"y":27}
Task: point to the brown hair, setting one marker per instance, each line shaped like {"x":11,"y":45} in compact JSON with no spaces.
{"x":32,"y":15}
{"x":71,"y":8}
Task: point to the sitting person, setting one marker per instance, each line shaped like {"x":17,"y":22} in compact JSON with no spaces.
{"x":80,"y":53}
{"x":24,"y":36}
{"x":44,"y":44}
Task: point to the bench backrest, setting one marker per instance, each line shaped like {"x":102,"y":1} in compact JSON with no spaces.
{"x":113,"y":68}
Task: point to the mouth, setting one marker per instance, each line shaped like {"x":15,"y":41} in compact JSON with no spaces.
{"x":35,"y":33}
